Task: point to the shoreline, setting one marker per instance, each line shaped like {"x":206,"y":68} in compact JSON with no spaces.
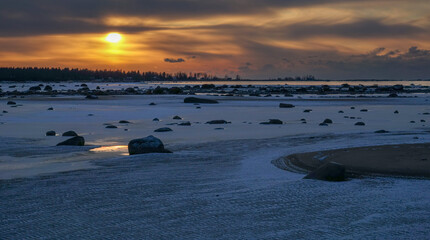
{"x":398,"y":160}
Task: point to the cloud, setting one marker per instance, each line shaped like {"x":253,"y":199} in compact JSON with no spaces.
{"x":173,"y":60}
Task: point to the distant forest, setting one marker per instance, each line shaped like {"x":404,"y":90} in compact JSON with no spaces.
{"x":75,"y":74}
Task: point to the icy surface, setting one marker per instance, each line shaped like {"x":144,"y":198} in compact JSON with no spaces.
{"x":218,"y":184}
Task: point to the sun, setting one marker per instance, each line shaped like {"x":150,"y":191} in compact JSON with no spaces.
{"x":113,"y":37}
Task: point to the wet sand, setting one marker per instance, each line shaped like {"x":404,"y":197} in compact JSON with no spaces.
{"x":398,"y":160}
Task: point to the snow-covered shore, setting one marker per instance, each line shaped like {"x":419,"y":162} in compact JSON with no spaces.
{"x":217,"y":183}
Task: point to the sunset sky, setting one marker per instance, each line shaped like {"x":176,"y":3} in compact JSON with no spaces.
{"x":336,"y":39}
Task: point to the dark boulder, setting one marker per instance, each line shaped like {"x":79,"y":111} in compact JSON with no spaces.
{"x":330,"y":171}
{"x":50,"y":133}
{"x":50,"y":109}
{"x":199,"y":100}
{"x":11,"y":103}
{"x":359,"y":124}
{"x":111,"y":126}
{"x":74,"y":141}
{"x":70,"y":134}
{"x":152,"y":104}
{"x":396,"y":112}
{"x":163,"y":129}
{"x":286,"y":105}
{"x":363,"y":110}
{"x":381,"y":131}
{"x":124,"y":121}
{"x":307,"y":110}
{"x":156,"y":120}
{"x":323,"y":124}
{"x":273,"y":121}
{"x":328,"y":121}
{"x":177,"y":118}
{"x":217,"y":122}
{"x":184,"y":124}
{"x":148,"y":144}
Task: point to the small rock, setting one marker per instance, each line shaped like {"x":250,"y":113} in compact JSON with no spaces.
{"x":11,"y":103}
{"x":152,"y":104}
{"x":307,"y":110}
{"x":70,"y":134}
{"x":363,"y":110}
{"x":50,"y":109}
{"x":323,"y":124}
{"x":328,"y":121}
{"x":217,"y":122}
{"x":330,"y":171}
{"x":273,"y":121}
{"x":340,"y":112}
{"x":199,"y":100}
{"x":50,"y":133}
{"x":352,"y":107}
{"x":396,"y":112}
{"x":74,"y":141}
{"x":111,"y":126}
{"x":124,"y":121}
{"x":156,"y":120}
{"x":381,"y":131}
{"x":163,"y":129}
{"x":184,"y":124}
{"x":286,"y":105}
{"x":218,"y":128}
{"x":177,"y":118}
{"x":359,"y":124}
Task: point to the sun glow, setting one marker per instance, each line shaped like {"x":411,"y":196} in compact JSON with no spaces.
{"x":113,"y":37}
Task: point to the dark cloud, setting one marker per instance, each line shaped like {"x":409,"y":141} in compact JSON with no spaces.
{"x":30,"y":17}
{"x":367,"y":28}
{"x":173,"y":60}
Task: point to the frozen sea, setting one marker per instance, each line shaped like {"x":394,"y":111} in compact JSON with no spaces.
{"x":218,"y":183}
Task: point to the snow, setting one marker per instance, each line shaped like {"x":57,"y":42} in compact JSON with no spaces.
{"x":217,"y":183}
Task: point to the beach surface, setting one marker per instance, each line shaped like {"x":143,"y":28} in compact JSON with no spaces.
{"x":219,"y":182}
{"x":398,"y":160}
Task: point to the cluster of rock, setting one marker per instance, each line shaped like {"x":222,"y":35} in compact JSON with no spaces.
{"x":224,"y":90}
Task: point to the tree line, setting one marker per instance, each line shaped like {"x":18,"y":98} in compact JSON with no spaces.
{"x":76,"y":74}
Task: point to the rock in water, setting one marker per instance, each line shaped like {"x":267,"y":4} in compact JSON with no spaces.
{"x":199,"y":100}
{"x":184,"y":124}
{"x":330,"y":171}
{"x":164,"y":129}
{"x":286,"y":105}
{"x":11,"y":103}
{"x":381,"y":131}
{"x":91,"y":97}
{"x":74,"y":141}
{"x":124,"y":121}
{"x":70,"y":134}
{"x":50,"y":133}
{"x":177,"y":118}
{"x":148,"y":144}
{"x":111,"y":126}
{"x":359,"y":124}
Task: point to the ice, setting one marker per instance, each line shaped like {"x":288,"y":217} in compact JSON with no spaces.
{"x":218,"y":184}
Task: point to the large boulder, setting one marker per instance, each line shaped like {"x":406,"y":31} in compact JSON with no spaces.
{"x":70,"y":134}
{"x":286,"y":105}
{"x":74,"y":141}
{"x":148,"y":144}
{"x":199,"y":100}
{"x":50,"y":133}
{"x":330,"y":171}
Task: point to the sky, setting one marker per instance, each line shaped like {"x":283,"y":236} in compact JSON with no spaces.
{"x":256,"y":39}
